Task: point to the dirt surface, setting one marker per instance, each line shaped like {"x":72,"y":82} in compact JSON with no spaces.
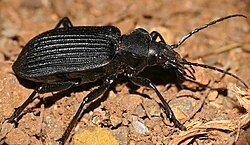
{"x":214,"y":108}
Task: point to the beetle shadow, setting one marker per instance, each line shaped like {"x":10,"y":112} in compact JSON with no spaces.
{"x":158,"y":76}
{"x":51,"y":100}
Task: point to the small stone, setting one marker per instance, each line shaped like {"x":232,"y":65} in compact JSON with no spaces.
{"x":157,"y":129}
{"x":95,"y":135}
{"x":213,"y":94}
{"x":5,"y":129}
{"x":115,"y":121}
{"x":132,"y":142}
{"x":139,"y":111}
{"x":16,"y":136}
{"x":125,"y":122}
{"x":138,"y":126}
{"x":182,"y":106}
{"x":150,"y":123}
{"x":151,"y":107}
{"x":121,"y":134}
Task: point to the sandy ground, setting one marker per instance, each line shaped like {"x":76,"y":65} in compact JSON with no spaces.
{"x":218,"y":114}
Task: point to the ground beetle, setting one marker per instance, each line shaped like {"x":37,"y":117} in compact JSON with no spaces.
{"x":73,"y":55}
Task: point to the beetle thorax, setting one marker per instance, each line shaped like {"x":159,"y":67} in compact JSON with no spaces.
{"x":134,"y":49}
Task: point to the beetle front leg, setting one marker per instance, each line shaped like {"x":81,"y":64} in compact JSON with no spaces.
{"x":92,"y":95}
{"x":65,"y":22}
{"x":148,"y":83}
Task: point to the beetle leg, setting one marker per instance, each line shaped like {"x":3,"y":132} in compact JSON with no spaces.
{"x":92,"y":95}
{"x":154,"y":35}
{"x":148,"y":83}
{"x":43,"y":88}
{"x":18,"y":110}
{"x":65,"y":21}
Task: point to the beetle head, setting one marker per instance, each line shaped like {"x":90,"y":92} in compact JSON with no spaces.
{"x":163,"y":55}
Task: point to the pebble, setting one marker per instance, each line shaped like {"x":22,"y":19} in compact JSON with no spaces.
{"x":138,"y":126}
{"x":152,"y":107}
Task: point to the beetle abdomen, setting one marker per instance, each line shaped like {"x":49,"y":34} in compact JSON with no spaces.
{"x":63,"y":51}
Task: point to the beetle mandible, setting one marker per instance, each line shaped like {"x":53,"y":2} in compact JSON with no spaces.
{"x":73,"y":55}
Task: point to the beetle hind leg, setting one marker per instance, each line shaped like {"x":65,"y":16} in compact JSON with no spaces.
{"x":43,"y":88}
{"x":18,"y":111}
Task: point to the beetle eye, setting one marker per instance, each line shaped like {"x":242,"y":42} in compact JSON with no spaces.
{"x":161,"y":59}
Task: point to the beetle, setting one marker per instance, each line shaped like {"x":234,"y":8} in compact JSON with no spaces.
{"x":71,"y":55}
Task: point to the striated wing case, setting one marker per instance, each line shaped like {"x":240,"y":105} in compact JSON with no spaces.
{"x":66,"y":50}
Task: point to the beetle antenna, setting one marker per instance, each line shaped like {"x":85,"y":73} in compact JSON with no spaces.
{"x":216,"y":69}
{"x":203,"y":27}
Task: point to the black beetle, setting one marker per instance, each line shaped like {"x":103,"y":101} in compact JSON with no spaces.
{"x":73,"y":55}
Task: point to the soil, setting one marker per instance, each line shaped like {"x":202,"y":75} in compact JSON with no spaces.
{"x":214,"y":107}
